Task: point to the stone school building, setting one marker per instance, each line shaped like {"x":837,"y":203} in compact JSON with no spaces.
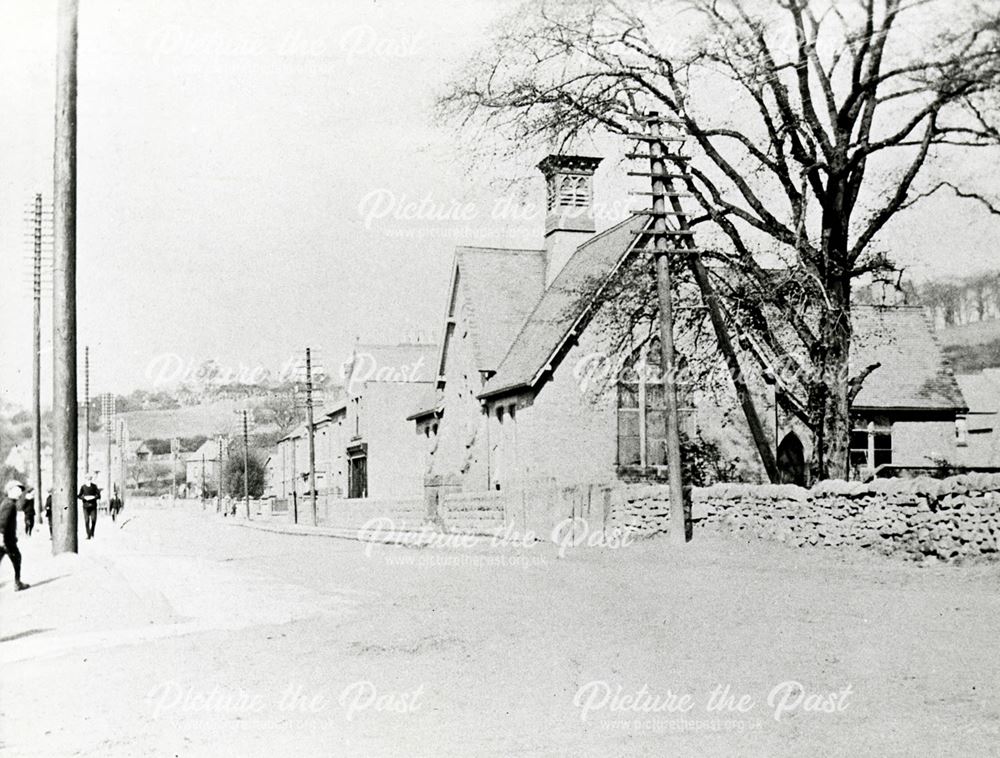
{"x":509,"y":409}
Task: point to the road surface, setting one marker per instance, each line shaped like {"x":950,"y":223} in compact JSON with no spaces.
{"x":178,"y":633}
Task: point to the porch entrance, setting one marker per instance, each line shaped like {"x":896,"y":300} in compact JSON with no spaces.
{"x":792,"y":460}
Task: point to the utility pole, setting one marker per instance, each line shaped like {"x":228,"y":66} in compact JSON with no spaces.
{"x":246,"y":464}
{"x":123,"y":445}
{"x":668,"y":359}
{"x":218,"y":494}
{"x":175,"y":447}
{"x":295,"y":481}
{"x":36,"y":359}
{"x":86,"y":408}
{"x":108,"y":411}
{"x":312,"y":439}
{"x":64,"y":398}
{"x":203,"y":481}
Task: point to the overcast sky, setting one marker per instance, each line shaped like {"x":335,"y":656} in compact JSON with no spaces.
{"x":236,"y":162}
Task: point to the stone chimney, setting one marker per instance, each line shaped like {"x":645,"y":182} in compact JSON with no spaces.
{"x":569,"y":220}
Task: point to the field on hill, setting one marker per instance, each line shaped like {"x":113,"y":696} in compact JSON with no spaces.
{"x":210,"y":419}
{"x":976,"y":333}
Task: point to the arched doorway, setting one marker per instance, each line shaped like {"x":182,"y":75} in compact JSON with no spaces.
{"x":792,"y":460}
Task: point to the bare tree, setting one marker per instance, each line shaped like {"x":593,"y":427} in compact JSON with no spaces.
{"x":811,"y":123}
{"x":281,"y":410}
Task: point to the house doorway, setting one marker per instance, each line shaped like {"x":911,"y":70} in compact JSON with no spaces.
{"x":792,"y":460}
{"x":357,"y":476}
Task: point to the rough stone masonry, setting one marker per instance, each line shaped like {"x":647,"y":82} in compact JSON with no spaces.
{"x":950,"y":519}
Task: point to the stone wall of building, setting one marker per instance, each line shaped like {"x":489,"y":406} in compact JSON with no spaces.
{"x":567,"y":432}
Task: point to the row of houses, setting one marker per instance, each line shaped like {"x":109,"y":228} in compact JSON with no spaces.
{"x":509,"y":400}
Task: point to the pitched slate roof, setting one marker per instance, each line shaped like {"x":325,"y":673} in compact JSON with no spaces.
{"x":299,"y":431}
{"x":560,"y":306}
{"x":913,"y":374}
{"x":209,"y":450}
{"x":500,"y":289}
{"x":428,"y":404}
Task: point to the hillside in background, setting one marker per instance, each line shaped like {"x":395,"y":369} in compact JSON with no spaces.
{"x":969,"y":359}
{"x":206,"y":419}
{"x":976,"y":333}
{"x":971,"y":347}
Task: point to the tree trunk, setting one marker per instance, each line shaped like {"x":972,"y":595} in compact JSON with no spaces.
{"x":829,"y":403}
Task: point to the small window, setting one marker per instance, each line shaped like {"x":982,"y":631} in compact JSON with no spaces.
{"x":499,"y":412}
{"x":877,"y":442}
{"x":511,"y":411}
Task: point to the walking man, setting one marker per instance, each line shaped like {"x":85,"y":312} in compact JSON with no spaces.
{"x":48,"y":511}
{"x":90,"y":494}
{"x":29,"y":511}
{"x":8,"y":525}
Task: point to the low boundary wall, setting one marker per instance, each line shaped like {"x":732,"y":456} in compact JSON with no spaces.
{"x":947,"y":519}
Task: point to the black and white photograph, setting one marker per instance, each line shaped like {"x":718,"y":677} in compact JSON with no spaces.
{"x":556,"y":378}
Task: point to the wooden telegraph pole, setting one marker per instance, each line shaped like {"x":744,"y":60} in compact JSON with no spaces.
{"x":86,"y":408}
{"x":36,"y":360}
{"x":218,"y":495}
{"x":683,"y":246}
{"x":246,"y":464}
{"x":312,"y":438}
{"x":64,"y":398}
{"x":668,"y":358}
{"x":108,"y":411}
{"x":123,"y":445}
{"x":175,"y":448}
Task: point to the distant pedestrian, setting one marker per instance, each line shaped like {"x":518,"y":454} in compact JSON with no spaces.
{"x":28,"y":509}
{"x":8,"y":525}
{"x":48,"y":511}
{"x":90,"y":494}
{"x":116,"y":504}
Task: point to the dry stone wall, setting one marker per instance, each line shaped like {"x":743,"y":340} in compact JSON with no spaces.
{"x":948,"y":519}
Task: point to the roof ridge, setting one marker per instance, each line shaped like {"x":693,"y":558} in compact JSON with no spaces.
{"x":484,"y":248}
{"x":628,"y":249}
{"x":887,"y":307}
